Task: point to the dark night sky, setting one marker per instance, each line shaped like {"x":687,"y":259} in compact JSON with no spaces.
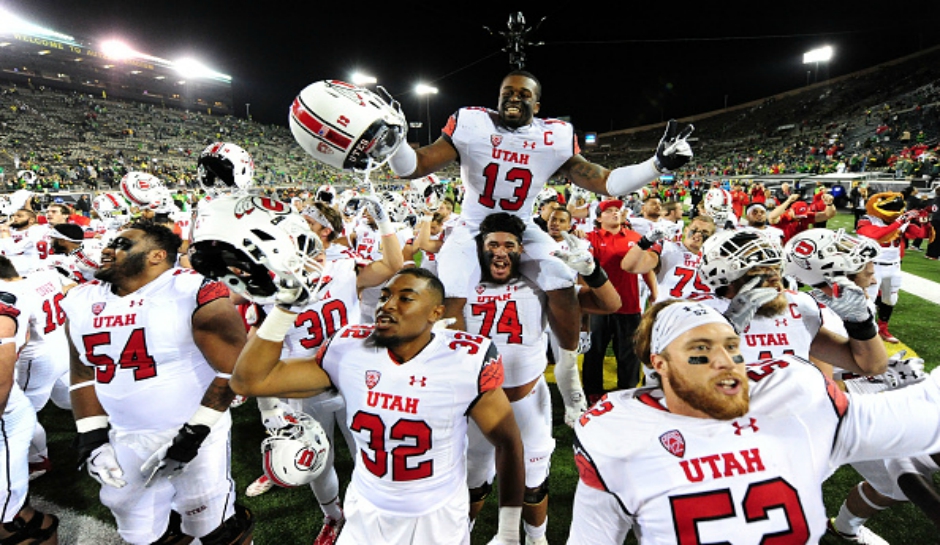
{"x":603,"y":64}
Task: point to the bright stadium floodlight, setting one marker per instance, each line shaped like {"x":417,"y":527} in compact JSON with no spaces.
{"x":192,"y":68}
{"x":816,"y":56}
{"x":10,"y":24}
{"x":117,"y":50}
{"x":358,"y":78}
{"x":427,"y":91}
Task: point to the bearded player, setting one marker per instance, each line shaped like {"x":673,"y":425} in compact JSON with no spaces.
{"x":509,"y":309}
{"x":152,"y":346}
{"x":506,"y":158}
{"x":709,"y":456}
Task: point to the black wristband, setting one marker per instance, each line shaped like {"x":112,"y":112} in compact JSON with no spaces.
{"x":187,"y":442}
{"x":861,"y":331}
{"x":597,"y":278}
{"x":86,"y":443}
{"x":645,"y":243}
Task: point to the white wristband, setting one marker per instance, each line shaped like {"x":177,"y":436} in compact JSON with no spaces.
{"x":508,"y":529}
{"x":205,"y":416}
{"x":276,"y":325}
{"x":625,"y":180}
{"x":91,"y":423}
{"x":386,"y":228}
{"x":566,"y":374}
{"x":405,"y":161}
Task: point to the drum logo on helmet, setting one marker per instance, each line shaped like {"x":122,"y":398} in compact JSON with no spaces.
{"x":247,"y":205}
{"x":304,"y":459}
{"x":805,"y":248}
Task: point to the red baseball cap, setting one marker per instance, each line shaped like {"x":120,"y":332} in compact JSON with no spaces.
{"x":604,"y":205}
{"x":799,"y":209}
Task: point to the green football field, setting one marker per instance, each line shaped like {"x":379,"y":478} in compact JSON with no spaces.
{"x":292,"y":516}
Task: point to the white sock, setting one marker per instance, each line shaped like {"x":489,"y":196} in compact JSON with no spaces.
{"x":846,"y":521}
{"x":535,"y":532}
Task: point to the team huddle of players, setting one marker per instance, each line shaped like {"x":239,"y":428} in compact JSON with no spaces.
{"x":425,"y":344}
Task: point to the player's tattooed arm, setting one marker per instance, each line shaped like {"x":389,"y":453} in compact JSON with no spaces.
{"x":586,"y":174}
{"x":218,"y":395}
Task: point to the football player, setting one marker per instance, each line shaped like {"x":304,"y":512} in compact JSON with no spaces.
{"x":147,"y":330}
{"x":24,"y":241}
{"x":506,"y":158}
{"x":744,"y":270}
{"x":709,"y":455}
{"x":408,"y":390}
{"x":509,"y":309}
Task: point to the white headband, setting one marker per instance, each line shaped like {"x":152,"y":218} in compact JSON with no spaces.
{"x":316,"y":216}
{"x":676,"y":319}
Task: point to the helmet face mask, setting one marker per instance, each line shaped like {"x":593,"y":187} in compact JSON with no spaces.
{"x":108,"y":205}
{"x":729,"y":255}
{"x":816,"y":256}
{"x":296,"y":454}
{"x":347,"y":127}
{"x":256,"y":245}
{"x":224,"y":167}
{"x":718,"y":205}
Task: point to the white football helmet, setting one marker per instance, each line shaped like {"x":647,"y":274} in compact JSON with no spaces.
{"x":224,"y":167}
{"x":545,"y":195}
{"x":426,"y":193}
{"x":108,"y":205}
{"x":816,"y":256}
{"x":142,"y":189}
{"x":326,"y":193}
{"x":296,"y":454}
{"x":345,"y":126}
{"x":395,"y":204}
{"x":255,"y":245}
{"x":728,"y":255}
{"x":718,"y":205}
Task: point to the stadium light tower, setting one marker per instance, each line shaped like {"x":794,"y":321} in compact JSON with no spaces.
{"x":816,"y":56}
{"x":427,"y":91}
{"x":191,"y":68}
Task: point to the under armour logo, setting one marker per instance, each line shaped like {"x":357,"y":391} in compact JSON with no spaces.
{"x":527,"y":145}
{"x":416,"y":381}
{"x":738,"y":427}
{"x":136,"y":303}
{"x":778,"y":322}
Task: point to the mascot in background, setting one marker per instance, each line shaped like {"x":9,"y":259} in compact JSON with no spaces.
{"x":891,"y":225}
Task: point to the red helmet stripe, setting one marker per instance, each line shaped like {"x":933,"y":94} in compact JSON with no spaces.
{"x":317,"y":128}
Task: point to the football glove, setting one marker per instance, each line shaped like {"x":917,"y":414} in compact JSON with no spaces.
{"x":673,"y":150}
{"x":904,"y":371}
{"x":172,"y":458}
{"x":848,"y":300}
{"x":578,"y":257}
{"x":103,"y":467}
{"x":746,"y":303}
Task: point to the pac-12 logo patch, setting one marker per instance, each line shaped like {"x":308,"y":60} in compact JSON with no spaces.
{"x":372,"y":378}
{"x":97,"y":308}
{"x":673,"y":442}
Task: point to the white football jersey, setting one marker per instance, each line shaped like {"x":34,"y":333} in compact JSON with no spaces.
{"x":678,"y":276}
{"x":149,"y":373}
{"x":679,"y":479}
{"x":789,"y":333}
{"x":409,"y":419}
{"x":39,"y":294}
{"x":503,"y":170}
{"x":27,"y":248}
{"x":336,"y":307}
{"x":512,"y":316}
{"x":18,"y":405}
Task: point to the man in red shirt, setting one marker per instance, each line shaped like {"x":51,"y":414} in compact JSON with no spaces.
{"x":610,"y":242}
{"x":795,"y":216}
